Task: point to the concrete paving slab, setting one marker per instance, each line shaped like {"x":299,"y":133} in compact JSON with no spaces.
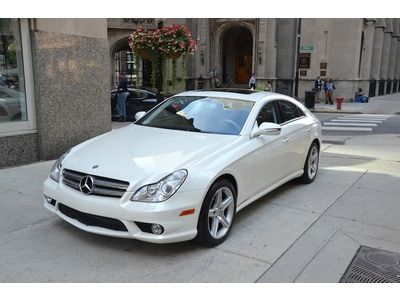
{"x":382,"y":146}
{"x":361,"y":229}
{"x":377,"y":243}
{"x":299,"y":255}
{"x":328,"y":186}
{"x":55,"y":251}
{"x":264,"y":231}
{"x":381,"y":181}
{"x":369,"y":206}
{"x":331,"y":262}
{"x":19,"y":210}
{"x":27,"y":179}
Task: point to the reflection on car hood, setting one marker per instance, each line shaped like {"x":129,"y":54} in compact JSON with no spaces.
{"x":139,"y":153}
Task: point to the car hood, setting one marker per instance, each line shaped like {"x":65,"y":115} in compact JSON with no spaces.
{"x":141,"y":154}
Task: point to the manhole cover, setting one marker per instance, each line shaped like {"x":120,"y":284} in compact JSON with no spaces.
{"x":373,"y":265}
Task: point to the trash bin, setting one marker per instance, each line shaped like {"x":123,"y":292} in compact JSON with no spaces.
{"x":309,"y":99}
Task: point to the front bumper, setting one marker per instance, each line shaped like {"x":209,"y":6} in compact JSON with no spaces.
{"x":176,"y":228}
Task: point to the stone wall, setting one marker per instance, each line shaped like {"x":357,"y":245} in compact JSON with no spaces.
{"x":71,"y":75}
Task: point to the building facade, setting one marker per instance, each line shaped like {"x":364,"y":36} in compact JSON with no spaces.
{"x":288,"y":53}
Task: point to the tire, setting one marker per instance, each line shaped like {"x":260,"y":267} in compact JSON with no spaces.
{"x":310,"y":165}
{"x":217,"y":214}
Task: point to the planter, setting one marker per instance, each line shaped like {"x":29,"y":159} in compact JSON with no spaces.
{"x":145,"y":54}
{"x":174,"y":55}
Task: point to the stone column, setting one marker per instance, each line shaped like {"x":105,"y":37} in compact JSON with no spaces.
{"x":261,"y":50}
{"x":393,"y":51}
{"x":271,"y":51}
{"x":387,"y":41}
{"x":366,"y":61}
{"x":377,"y":51}
{"x":397,"y":64}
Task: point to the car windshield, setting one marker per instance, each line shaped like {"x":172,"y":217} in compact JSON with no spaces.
{"x":200,"y":114}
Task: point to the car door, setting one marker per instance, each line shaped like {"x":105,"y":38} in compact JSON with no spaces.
{"x":293,"y":135}
{"x":269,"y":158}
{"x":134,"y":102}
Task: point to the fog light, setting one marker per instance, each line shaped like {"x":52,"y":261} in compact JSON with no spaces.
{"x":50,"y":200}
{"x":157,"y":229}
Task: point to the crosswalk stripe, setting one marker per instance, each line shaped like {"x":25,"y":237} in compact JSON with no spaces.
{"x":338,"y":128}
{"x":358,"y":121}
{"x":371,"y":115}
{"x":361,"y":119}
{"x":351,"y":124}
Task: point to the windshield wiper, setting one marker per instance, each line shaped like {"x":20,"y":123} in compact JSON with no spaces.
{"x":173,"y":127}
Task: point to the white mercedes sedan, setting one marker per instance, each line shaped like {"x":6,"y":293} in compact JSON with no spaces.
{"x":183,"y":170}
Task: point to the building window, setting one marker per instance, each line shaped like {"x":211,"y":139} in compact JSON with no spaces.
{"x":16,"y":88}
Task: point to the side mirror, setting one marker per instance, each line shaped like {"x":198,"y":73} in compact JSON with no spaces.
{"x":139,"y":114}
{"x":266,"y":128}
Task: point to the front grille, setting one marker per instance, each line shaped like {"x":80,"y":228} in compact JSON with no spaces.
{"x":92,"y":220}
{"x":102,"y":186}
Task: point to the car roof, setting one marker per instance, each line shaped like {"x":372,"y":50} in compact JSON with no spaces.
{"x":239,"y":94}
{"x":132,"y":89}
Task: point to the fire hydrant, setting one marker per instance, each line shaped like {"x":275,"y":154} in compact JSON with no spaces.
{"x":339,"y":100}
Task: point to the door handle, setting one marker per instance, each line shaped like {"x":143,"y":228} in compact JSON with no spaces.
{"x":286,"y":140}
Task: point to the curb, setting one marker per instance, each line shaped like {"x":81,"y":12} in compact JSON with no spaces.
{"x":318,"y":110}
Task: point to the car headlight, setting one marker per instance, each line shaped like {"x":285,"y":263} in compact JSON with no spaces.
{"x":56,"y":169}
{"x":162,"y":190}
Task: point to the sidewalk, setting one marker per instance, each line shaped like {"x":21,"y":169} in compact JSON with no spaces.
{"x":388,"y":104}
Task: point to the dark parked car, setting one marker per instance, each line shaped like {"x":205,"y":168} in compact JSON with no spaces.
{"x":138,"y":100}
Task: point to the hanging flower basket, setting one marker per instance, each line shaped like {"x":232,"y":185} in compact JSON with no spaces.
{"x":168,"y":42}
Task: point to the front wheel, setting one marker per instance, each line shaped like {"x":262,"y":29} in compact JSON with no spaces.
{"x":311,"y":164}
{"x":217,"y":214}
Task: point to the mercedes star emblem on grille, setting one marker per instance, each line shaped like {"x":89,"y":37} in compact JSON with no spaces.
{"x":86,"y":185}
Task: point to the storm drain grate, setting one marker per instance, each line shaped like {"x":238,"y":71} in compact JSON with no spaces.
{"x":373,"y":265}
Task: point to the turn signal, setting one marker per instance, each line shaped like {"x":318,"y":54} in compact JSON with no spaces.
{"x":187,"y":212}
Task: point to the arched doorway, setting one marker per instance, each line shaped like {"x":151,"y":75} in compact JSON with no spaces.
{"x":237,"y":56}
{"x":124,"y":63}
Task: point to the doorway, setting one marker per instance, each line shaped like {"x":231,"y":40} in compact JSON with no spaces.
{"x":237,"y":56}
{"x":124,"y":63}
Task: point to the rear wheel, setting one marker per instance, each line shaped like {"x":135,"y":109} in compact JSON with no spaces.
{"x":217,"y":214}
{"x":311,"y":164}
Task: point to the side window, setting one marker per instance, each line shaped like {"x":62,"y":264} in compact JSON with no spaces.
{"x":137,"y":95}
{"x":267,"y":114}
{"x":289,"y":111}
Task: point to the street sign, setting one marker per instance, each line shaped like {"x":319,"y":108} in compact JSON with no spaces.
{"x":307,"y":48}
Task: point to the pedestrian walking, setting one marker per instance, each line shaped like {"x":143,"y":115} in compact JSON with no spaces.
{"x":213,"y":78}
{"x":122,"y":92}
{"x":317,"y":87}
{"x":329,"y":88}
{"x":252,"y":81}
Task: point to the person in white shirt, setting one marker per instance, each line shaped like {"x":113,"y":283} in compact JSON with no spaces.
{"x":252,"y":81}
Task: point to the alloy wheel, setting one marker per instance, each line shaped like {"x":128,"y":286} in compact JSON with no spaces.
{"x":220,"y":213}
{"x":313,"y":162}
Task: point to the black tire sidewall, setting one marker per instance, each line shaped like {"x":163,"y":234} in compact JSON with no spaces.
{"x":203,"y":235}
